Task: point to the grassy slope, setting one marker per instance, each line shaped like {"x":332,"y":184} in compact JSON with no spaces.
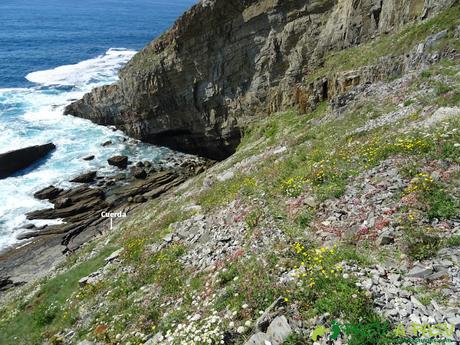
{"x":320,"y":159}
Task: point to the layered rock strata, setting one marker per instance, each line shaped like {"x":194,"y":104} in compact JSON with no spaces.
{"x":224,"y":61}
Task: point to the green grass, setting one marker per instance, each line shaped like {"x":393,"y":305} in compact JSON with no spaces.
{"x":325,"y":288}
{"x":162,"y":270}
{"x":298,"y":339}
{"x":48,"y":310}
{"x":251,"y":281}
{"x":441,"y":205}
{"x":420,"y":243}
{"x":453,"y":241}
{"x":221,"y":193}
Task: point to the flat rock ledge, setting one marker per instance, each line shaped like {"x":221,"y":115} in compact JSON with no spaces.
{"x":13,"y":162}
{"x":80,"y":210}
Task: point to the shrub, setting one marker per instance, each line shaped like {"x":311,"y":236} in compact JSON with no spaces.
{"x":440,"y":204}
{"x":453,"y":241}
{"x":420,"y":244}
{"x":294,"y":186}
{"x":325,"y":288}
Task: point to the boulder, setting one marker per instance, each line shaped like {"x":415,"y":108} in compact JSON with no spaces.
{"x":139,"y":173}
{"x":89,"y":158}
{"x":118,"y":161}
{"x":50,"y":192}
{"x":55,"y":213}
{"x":85,"y":178}
{"x":14,"y":161}
{"x":6,"y":283}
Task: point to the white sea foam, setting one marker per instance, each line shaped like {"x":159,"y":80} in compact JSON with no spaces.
{"x":86,"y":72}
{"x":35,"y":116}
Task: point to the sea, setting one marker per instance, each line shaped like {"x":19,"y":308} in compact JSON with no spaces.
{"x":53,"y":52}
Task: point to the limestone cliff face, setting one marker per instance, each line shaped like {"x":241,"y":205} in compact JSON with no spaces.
{"x":224,"y":61}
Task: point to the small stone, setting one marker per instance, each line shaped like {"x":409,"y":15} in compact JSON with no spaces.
{"x":279,"y":150}
{"x":279,"y":330}
{"x":415,"y":319}
{"x":83,"y":281}
{"x":394,"y":277}
{"x":226,"y":176}
{"x":420,"y":271}
{"x":367,"y":284}
{"x":385,"y":239}
{"x":311,"y":202}
{"x":454,"y":321}
{"x":114,"y":255}
{"x":404,"y":312}
{"x":439,"y":275}
{"x":196,"y":317}
{"x":259,"y":339}
{"x":371,"y":220}
{"x":139,"y":199}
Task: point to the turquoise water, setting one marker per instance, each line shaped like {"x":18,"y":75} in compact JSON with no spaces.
{"x":51,"y":52}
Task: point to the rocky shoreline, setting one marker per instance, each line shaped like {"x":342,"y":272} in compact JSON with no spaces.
{"x":80,"y":208}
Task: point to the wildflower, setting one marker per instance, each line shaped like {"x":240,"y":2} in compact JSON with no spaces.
{"x":241,"y":330}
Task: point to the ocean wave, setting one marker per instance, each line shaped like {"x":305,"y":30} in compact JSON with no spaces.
{"x":31,"y":116}
{"x":92,"y":71}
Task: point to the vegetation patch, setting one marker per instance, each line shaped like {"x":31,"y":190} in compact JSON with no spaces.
{"x":324,"y":287}
{"x":32,"y":321}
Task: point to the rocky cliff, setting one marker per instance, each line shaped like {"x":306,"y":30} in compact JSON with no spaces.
{"x":195,"y":87}
{"x":343,"y":217}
